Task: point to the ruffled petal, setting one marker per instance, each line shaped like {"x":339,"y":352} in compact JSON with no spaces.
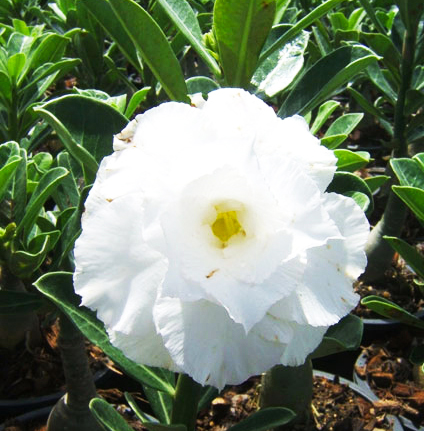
{"x":208,"y":345}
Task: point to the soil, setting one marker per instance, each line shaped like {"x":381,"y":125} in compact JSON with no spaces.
{"x":392,"y":377}
{"x":26,"y":372}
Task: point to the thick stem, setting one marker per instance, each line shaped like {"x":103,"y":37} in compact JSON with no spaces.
{"x":186,"y":401}
{"x":289,"y":387}
{"x":379,"y":252}
{"x":71,"y":413}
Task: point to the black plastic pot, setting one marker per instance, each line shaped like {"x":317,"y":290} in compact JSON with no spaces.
{"x":35,"y":415}
{"x":374,"y":328}
{"x":11,"y":408}
{"x":363,"y":384}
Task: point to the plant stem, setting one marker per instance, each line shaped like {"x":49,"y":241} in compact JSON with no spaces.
{"x":378,"y":251}
{"x":186,"y":401}
{"x":289,"y":387}
{"x":71,"y":413}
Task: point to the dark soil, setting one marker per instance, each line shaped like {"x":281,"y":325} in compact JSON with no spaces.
{"x":392,"y":377}
{"x":26,"y":372}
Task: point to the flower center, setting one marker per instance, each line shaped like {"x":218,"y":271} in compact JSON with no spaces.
{"x":226,"y":225}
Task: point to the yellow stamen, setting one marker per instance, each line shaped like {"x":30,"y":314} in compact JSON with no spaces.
{"x":226,"y":225}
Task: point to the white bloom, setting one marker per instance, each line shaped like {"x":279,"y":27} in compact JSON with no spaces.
{"x":209,"y":245}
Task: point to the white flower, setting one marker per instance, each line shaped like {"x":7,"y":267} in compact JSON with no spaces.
{"x":209,"y":245}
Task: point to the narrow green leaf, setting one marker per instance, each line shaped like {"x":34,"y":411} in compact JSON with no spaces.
{"x":265,"y":419}
{"x":317,"y":13}
{"x":413,"y":197}
{"x":375,"y":182}
{"x":324,"y":112}
{"x":325,"y":77}
{"x":7,"y":174}
{"x":161,"y":404}
{"x":183,"y":17}
{"x":164,"y":427}
{"x":90,"y":122}
{"x":15,"y":65}
{"x":345,"y":335}
{"x":412,"y":257}
{"x":102,"y":11}
{"x":58,"y":287}
{"x":351,"y":161}
{"x":201,"y":84}
{"x":136,"y":409}
{"x":241,"y":28}
{"x":18,"y":302}
{"x":153,"y":46}
{"x":48,"y":182}
{"x":50,"y":50}
{"x":332,"y":142}
{"x":108,"y":416}
{"x":344,"y":124}
{"x":364,"y":104}
{"x":80,"y":154}
{"x":5,"y":87}
{"x":277,"y":71}
{"x":136,"y":99}
{"x":391,"y":310}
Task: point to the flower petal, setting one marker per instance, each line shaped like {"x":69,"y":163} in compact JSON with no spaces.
{"x":204,"y":342}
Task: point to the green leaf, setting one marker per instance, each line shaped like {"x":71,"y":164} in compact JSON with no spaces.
{"x":58,"y":287}
{"x":361,"y":199}
{"x":50,"y":50}
{"x":5,"y":86}
{"x":375,"y":182}
{"x":351,"y":161}
{"x":277,"y":71}
{"x":347,"y":183}
{"x":409,"y":172}
{"x":48,"y":182}
{"x":201,"y":84}
{"x":324,"y":112}
{"x":24,"y":263}
{"x":91,"y":122}
{"x":108,"y":416}
{"x":364,"y":104}
{"x":7,"y":173}
{"x":87,"y":161}
{"x":184,"y":19}
{"x":325,"y":77}
{"x":383,"y":46}
{"x":241,"y":28}
{"x":344,"y":124}
{"x":102,"y":11}
{"x":136,"y":99}
{"x":18,"y":302}
{"x":153,"y":46}
{"x":391,"y":310}
{"x":309,"y":19}
{"x":136,"y":409}
{"x":345,"y":335}
{"x":413,"y":197}
{"x":412,"y":257}
{"x":15,"y":65}
{"x":161,"y":404}
{"x":264,"y":419}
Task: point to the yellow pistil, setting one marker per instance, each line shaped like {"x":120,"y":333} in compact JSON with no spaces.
{"x":226,"y":225}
